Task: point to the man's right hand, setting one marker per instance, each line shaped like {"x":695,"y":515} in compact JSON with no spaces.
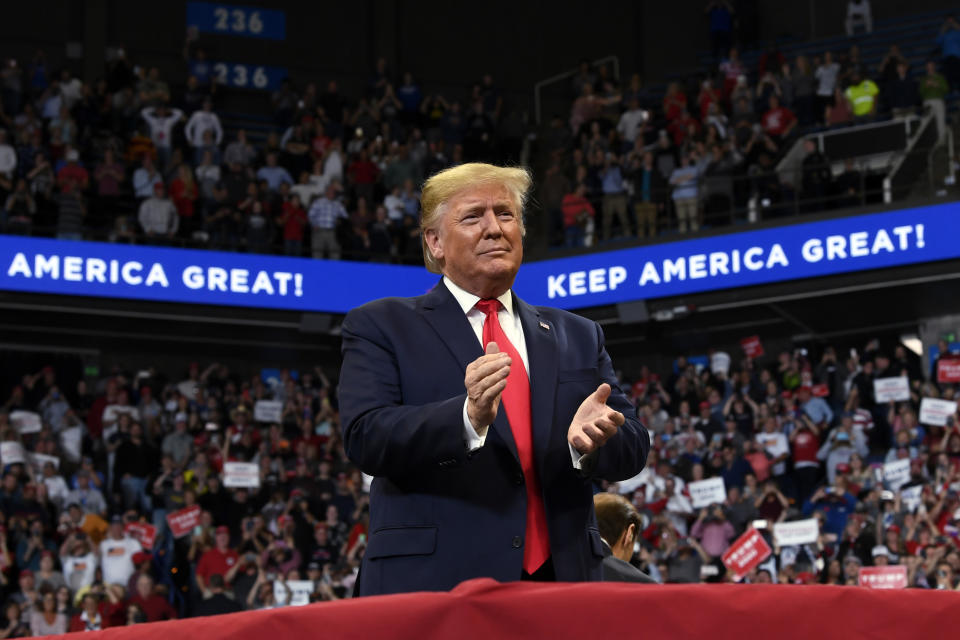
{"x":485,"y":381}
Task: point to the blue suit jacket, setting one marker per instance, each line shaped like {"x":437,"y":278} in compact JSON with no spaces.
{"x":438,"y":514}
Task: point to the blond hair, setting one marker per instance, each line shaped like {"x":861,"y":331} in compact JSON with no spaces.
{"x":444,"y":186}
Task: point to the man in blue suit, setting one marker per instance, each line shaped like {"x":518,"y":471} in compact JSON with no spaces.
{"x":483,"y":419}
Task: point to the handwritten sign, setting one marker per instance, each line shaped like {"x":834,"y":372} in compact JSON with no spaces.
{"x":887,"y":389}
{"x":889,"y":577}
{"x":183,"y":521}
{"x":241,"y":474}
{"x":797,"y":532}
{"x":11,"y":453}
{"x":39,"y":460}
{"x":935,"y":412}
{"x":896,"y":473}
{"x":26,"y":421}
{"x":294,"y":593}
{"x":704,"y":493}
{"x":747,"y":552}
{"x":268,"y":411}
{"x":911,"y":497}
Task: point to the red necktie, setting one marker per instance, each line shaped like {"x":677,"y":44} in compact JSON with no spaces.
{"x":516,"y":401}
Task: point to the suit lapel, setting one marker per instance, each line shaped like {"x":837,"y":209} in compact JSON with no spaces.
{"x":442,"y":311}
{"x":542,"y":354}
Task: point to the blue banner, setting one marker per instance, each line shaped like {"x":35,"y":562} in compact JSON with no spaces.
{"x":789,"y":252}
{"x":226,"y":19}
{"x":784,"y":253}
{"x":239,"y":75}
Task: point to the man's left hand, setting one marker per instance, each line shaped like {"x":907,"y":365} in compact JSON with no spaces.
{"x":594,"y":423}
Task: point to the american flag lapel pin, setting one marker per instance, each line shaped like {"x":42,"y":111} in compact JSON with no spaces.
{"x":544,"y":326}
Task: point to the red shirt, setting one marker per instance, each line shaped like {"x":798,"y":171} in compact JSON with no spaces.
{"x":678,"y":128}
{"x":216,"y":561}
{"x":296,"y":220}
{"x":707,"y":97}
{"x":760,"y":463}
{"x":776,"y":121}
{"x":573,"y":205}
{"x":154,"y":607}
{"x":183,"y":197}
{"x":95,"y":417}
{"x":363,"y":172}
{"x":320,"y":144}
{"x":673,"y":105}
{"x":72,"y":176}
{"x":805,"y":446}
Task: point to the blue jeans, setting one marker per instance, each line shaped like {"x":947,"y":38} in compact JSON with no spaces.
{"x":134,"y":494}
{"x":573,"y":236}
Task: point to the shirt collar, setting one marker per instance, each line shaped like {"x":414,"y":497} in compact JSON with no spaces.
{"x":467,"y":300}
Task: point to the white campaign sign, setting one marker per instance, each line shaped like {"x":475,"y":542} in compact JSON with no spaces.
{"x":268,"y":411}
{"x":38,"y":460}
{"x":11,"y":453}
{"x":26,"y":421}
{"x":704,"y":493}
{"x":896,"y":473}
{"x":241,"y":474}
{"x":293,"y":593}
{"x":887,"y":389}
{"x":935,"y":412}
{"x":797,"y":532}
{"x":911,"y":497}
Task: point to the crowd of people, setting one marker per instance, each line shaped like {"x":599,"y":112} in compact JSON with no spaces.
{"x":98,"y":471}
{"x":627,"y":162}
{"x":798,"y":438}
{"x":104,"y":461}
{"x":137,"y":157}
{"x":128,"y":159}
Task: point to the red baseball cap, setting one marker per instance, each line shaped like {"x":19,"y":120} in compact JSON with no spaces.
{"x":804,"y":577}
{"x":141,"y":556}
{"x":704,"y":405}
{"x":222,"y":529}
{"x":894,"y":527}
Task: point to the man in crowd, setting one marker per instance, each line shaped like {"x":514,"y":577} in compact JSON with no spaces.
{"x":158,"y":216}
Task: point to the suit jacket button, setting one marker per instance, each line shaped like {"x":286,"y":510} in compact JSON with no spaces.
{"x":517,"y":542}
{"x":518,"y":479}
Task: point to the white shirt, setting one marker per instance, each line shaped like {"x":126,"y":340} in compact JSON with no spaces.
{"x":111,"y":413}
{"x":116,"y":559}
{"x":776,"y":445}
{"x":57,"y":489}
{"x":78,"y":571}
{"x":8,"y":159}
{"x":394,"y":206}
{"x":200,"y":122}
{"x":161,"y":128}
{"x":512,"y":327}
{"x":629,"y":125}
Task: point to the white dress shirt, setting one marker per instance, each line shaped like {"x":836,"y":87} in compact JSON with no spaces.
{"x":512,"y":327}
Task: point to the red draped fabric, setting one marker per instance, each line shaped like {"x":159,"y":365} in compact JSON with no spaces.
{"x":484,"y":609}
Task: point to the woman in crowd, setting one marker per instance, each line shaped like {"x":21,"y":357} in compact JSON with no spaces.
{"x":48,"y":621}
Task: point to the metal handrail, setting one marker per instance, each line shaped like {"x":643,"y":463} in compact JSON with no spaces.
{"x":538,"y":87}
{"x":926,"y":121}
